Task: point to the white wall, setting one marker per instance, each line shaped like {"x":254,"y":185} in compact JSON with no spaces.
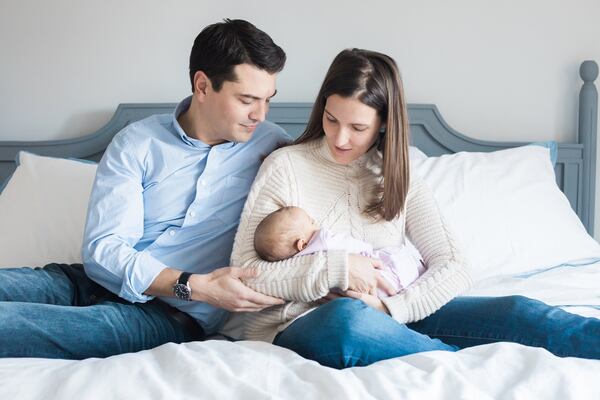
{"x":498,"y":70}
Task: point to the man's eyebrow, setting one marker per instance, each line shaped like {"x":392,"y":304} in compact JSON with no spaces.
{"x":250,"y":96}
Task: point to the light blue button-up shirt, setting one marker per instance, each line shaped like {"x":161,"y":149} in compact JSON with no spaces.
{"x":162,"y":199}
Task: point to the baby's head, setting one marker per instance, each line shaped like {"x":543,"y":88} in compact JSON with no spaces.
{"x":283,"y":233}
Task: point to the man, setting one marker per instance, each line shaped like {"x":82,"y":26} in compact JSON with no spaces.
{"x":161,"y":219}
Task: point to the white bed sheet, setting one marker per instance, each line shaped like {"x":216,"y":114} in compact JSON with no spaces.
{"x":252,"y":370}
{"x":574,"y":287}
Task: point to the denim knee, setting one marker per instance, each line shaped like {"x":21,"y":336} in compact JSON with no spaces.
{"x":349,"y":345}
{"x":513,"y":304}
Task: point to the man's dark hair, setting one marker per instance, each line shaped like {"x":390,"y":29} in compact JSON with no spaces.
{"x":222,"y":46}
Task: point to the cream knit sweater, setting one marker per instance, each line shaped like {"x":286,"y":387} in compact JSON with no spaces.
{"x":335,"y":195}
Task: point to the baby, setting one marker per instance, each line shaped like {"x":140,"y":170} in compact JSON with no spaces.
{"x":290,"y":231}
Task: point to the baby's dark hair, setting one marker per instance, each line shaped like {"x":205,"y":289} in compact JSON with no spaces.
{"x":272,"y":236}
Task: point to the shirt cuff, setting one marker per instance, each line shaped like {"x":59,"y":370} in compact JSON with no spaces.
{"x":337,"y":269}
{"x":139,"y":279}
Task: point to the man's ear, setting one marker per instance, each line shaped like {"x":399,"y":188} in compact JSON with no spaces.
{"x":300,"y":244}
{"x":201,"y":84}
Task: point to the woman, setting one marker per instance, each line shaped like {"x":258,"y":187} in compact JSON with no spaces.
{"x":349,"y":170}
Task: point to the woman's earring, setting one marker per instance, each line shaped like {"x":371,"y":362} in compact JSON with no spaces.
{"x":381,"y":139}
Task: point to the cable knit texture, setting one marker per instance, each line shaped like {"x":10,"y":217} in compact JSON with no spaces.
{"x":336,"y":196}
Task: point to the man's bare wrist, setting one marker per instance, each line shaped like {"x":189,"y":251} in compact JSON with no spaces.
{"x":198,"y":283}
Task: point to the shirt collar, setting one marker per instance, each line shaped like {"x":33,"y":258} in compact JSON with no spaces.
{"x":182,"y":107}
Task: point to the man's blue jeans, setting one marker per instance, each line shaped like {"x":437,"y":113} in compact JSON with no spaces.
{"x":58,"y":312}
{"x":346,"y":332}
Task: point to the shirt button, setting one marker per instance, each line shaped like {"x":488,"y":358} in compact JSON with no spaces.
{"x":192,"y":214}
{"x":203,"y":182}
{"x":172,"y":233}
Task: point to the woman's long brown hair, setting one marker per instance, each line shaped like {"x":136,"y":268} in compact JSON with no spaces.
{"x":374,"y":80}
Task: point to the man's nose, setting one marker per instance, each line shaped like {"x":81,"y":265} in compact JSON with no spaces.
{"x":259,"y":112}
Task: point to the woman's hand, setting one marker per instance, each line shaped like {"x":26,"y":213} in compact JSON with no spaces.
{"x":364,"y":275}
{"x":368,"y":299}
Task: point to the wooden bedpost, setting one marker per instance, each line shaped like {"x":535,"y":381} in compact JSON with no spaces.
{"x":587,"y":132}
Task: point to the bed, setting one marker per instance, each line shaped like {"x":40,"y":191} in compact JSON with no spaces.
{"x":531,"y":205}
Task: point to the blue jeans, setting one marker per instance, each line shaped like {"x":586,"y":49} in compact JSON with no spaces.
{"x":58,"y":312}
{"x":347,"y":333}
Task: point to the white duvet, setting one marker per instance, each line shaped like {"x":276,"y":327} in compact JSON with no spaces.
{"x":252,"y":370}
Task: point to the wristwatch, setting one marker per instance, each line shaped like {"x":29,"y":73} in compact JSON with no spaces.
{"x":182,"y":289}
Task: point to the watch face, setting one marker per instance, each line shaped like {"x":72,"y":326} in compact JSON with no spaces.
{"x":182,"y":292}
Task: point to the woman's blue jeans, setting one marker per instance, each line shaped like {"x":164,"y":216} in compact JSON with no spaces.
{"x":347,"y":333}
{"x":58,"y":312}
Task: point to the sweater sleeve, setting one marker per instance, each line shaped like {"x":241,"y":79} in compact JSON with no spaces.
{"x":301,"y":278}
{"x":447,"y":274}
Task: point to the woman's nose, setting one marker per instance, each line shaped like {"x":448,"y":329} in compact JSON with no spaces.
{"x":342,"y":138}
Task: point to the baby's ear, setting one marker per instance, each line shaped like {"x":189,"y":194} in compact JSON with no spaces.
{"x":301,"y":244}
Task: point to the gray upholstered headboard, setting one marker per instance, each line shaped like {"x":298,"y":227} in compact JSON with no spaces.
{"x":575,"y":167}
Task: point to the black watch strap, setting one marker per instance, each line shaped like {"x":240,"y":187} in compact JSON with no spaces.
{"x":183,"y":278}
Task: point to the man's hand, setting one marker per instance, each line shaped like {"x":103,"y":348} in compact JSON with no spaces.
{"x":224,"y":288}
{"x":364,"y":275}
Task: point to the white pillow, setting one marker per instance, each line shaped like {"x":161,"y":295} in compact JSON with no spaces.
{"x":415,"y":155}
{"x":43,"y":209}
{"x":507,"y":210}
